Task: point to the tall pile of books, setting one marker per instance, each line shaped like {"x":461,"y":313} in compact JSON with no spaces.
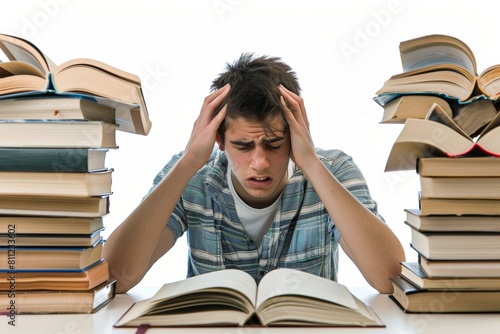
{"x":56,"y":126}
{"x":451,"y":138}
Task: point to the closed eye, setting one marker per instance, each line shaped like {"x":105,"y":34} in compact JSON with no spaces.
{"x":242,"y":146}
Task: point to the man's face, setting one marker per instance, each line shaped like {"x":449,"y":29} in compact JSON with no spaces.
{"x":258,"y":160}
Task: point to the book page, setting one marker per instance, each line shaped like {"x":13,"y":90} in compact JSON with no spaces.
{"x":229,"y":279}
{"x":451,"y":48}
{"x":493,"y":124}
{"x":224,"y":279}
{"x":284,"y":281}
{"x":437,"y":114}
{"x":101,"y":66}
{"x":433,"y":55}
{"x":19,"y":49}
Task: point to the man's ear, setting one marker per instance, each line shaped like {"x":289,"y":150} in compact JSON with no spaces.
{"x":219,"y":141}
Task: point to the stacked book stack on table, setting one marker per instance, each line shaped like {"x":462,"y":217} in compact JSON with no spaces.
{"x":451,"y":138}
{"x":57,"y":124}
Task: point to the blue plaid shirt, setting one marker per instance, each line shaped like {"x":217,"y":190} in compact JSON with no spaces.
{"x":302,"y":236}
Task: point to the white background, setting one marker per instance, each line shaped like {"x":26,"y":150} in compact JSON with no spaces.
{"x":342,"y":51}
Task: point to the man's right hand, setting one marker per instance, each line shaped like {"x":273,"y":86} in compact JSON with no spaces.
{"x":203,"y":135}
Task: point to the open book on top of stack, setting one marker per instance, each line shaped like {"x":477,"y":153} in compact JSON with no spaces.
{"x":30,"y":74}
{"x":440,"y":65}
{"x":451,"y":139}
{"x":435,"y":58}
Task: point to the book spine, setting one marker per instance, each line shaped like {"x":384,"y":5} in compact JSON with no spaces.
{"x":67,"y":160}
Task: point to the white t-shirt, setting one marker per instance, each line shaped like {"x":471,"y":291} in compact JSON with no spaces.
{"x":255,"y":222}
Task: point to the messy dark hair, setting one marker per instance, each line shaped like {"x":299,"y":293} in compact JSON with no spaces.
{"x":254,"y":93}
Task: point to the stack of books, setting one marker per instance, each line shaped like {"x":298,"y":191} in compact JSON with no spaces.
{"x":57,"y":124}
{"x":451,"y":139}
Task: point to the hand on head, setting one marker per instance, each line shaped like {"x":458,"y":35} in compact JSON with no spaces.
{"x":302,"y":147}
{"x":204,"y":131}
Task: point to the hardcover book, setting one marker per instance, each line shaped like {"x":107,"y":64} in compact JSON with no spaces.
{"x":62,"y":160}
{"x":59,"y":301}
{"x":414,"y":300}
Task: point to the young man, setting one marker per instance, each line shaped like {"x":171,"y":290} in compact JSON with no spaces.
{"x":264,"y":198}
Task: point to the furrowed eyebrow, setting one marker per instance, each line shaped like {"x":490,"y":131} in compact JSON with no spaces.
{"x":251,"y":142}
{"x":272,"y":140}
{"x":241,"y":142}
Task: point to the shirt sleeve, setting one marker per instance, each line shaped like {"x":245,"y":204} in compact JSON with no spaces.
{"x":176,"y":222}
{"x":350,"y":176}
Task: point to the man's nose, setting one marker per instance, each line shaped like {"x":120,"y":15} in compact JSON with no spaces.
{"x":259,"y":160}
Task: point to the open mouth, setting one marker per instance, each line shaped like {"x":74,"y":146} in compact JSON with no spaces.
{"x":260,"y":178}
{"x":260,"y":181}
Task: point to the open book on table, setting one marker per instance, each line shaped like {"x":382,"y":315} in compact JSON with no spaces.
{"x":284,"y":297}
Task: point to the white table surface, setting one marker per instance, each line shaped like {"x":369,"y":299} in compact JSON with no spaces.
{"x":395,"y":319}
